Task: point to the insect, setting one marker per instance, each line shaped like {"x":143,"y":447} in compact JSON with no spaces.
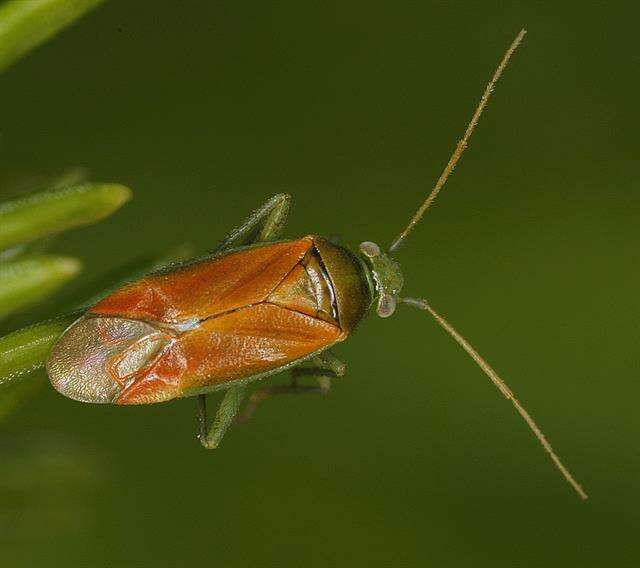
{"x":256,"y":307}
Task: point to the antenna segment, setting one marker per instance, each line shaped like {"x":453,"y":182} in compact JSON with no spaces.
{"x":462,"y":144}
{"x":501,"y":385}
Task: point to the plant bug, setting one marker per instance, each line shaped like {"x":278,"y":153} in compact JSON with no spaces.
{"x":256,"y":307}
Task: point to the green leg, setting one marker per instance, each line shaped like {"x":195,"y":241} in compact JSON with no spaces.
{"x":210,"y":437}
{"x":323,"y":367}
{"x":264,"y":224}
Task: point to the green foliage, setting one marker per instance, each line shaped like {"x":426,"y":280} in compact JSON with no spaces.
{"x":25,"y":24}
{"x":44,"y":213}
{"x":27,"y":281}
{"x":28,"y":276}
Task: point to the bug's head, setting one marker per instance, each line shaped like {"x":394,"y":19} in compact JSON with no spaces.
{"x":387,"y":277}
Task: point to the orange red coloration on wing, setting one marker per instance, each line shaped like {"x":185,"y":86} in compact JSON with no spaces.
{"x":238,"y":344}
{"x":201,"y":325}
{"x":208,"y":288}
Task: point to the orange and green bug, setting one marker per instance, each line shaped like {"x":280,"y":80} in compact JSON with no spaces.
{"x":257,"y":306}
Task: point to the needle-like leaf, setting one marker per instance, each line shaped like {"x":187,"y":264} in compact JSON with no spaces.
{"x":49,"y":212}
{"x":25,"y":24}
{"x":26,"y":281}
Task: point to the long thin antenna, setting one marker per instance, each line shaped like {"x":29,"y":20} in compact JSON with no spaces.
{"x":502,"y":387}
{"x":462,"y":144}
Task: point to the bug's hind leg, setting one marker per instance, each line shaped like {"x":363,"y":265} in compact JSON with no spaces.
{"x":210,"y":437}
{"x":323,"y":367}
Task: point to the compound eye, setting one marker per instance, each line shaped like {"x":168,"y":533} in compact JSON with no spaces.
{"x":370,"y":249}
{"x":386,"y":305}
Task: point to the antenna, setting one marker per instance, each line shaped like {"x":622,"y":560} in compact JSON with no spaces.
{"x":500,"y":384}
{"x":462,"y":144}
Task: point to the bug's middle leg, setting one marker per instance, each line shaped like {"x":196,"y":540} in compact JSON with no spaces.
{"x":324,"y":367}
{"x":210,"y":437}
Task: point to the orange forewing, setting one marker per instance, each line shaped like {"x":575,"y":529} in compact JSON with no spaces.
{"x":207,"y":288}
{"x":235,"y":345}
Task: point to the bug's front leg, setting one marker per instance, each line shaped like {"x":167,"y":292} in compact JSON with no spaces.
{"x":210,"y":437}
{"x":324,"y":367}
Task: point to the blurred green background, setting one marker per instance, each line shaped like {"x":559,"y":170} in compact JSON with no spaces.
{"x":206,"y":109}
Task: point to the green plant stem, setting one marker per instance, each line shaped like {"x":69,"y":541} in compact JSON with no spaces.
{"x":25,"y":24}
{"x":26,"y":350}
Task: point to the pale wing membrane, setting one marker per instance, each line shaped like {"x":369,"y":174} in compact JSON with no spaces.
{"x":96,"y":355}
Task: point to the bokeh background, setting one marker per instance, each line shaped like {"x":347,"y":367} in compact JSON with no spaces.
{"x":206,"y":109}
